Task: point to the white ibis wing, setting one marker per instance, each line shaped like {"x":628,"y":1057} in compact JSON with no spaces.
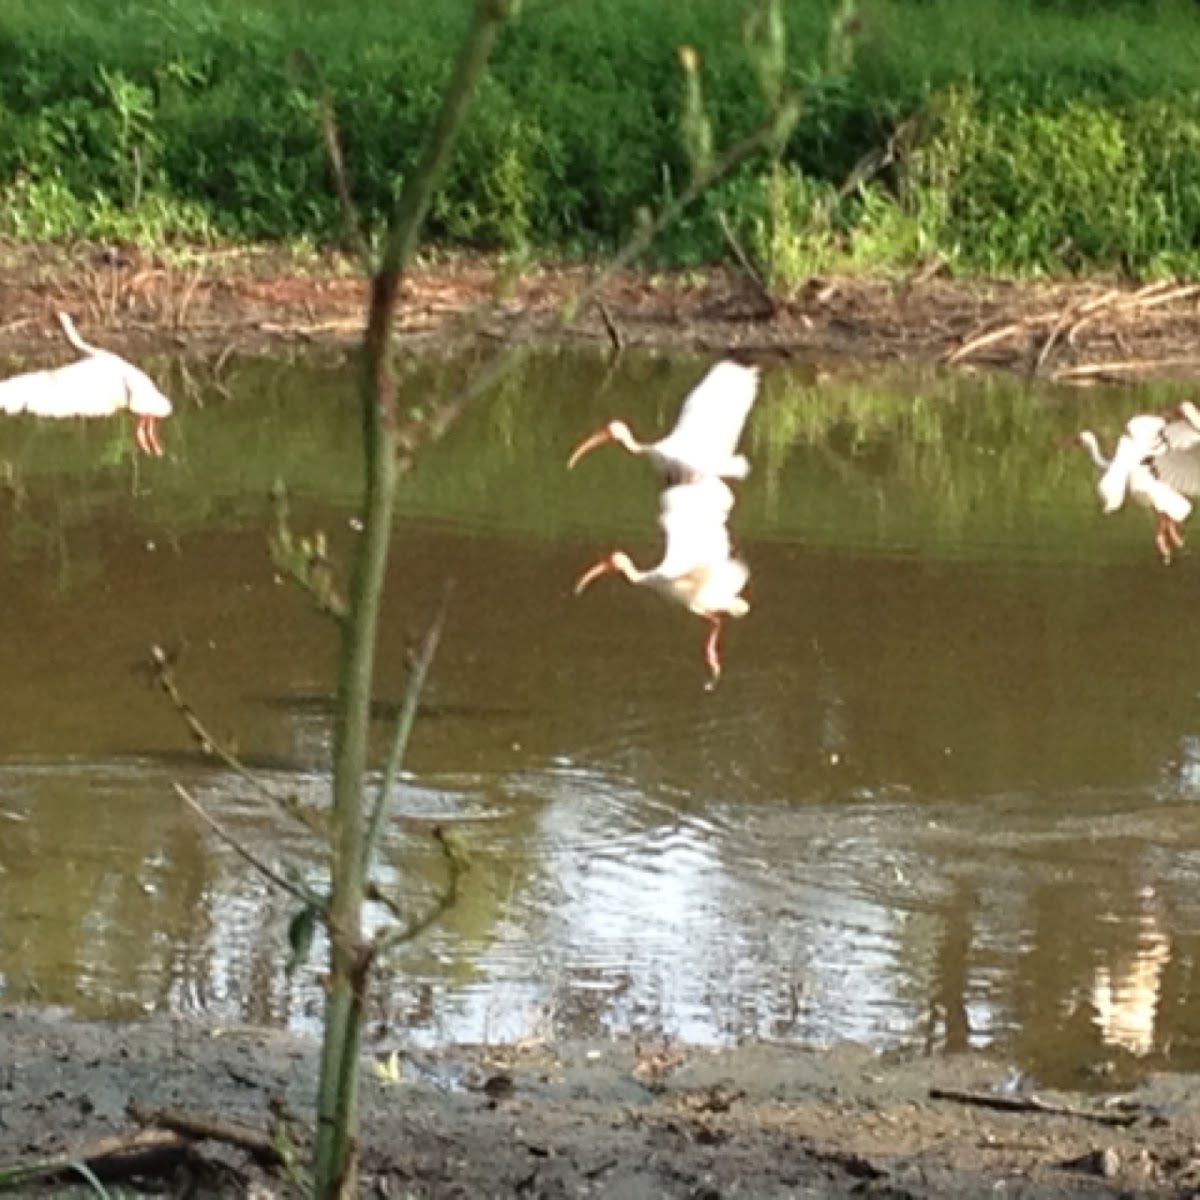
{"x":694,"y":517}
{"x":1177,"y":464}
{"x":713,"y":415}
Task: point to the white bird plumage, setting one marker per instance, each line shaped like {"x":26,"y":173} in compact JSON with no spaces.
{"x":704,"y":440}
{"x":100,"y":384}
{"x":698,"y":570}
{"x":1156,"y":464}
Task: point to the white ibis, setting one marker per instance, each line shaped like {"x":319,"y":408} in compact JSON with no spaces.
{"x":1157,"y":465}
{"x":704,"y":440}
{"x":100,"y":384}
{"x":698,"y":570}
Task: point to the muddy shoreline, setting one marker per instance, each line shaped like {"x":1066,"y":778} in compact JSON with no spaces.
{"x":603,"y":1119}
{"x":1081,"y":332}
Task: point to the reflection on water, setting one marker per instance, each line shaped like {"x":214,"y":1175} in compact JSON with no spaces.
{"x":945,"y":796}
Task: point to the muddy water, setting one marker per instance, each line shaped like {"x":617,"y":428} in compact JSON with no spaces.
{"x":947,"y":795}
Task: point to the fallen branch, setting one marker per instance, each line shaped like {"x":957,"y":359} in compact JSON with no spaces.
{"x":1071,"y":318}
{"x":1030,"y":1104}
{"x":201,"y":1127}
{"x":989,"y":337}
{"x":145,"y":1150}
{"x":1075,"y":316}
{"x":1122,"y":367}
{"x":1145,"y":298}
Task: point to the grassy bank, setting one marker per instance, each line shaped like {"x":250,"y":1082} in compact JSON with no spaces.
{"x":1005,"y":136}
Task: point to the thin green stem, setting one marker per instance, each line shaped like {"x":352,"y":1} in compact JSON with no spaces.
{"x":337,"y":1100}
{"x":413,"y":687}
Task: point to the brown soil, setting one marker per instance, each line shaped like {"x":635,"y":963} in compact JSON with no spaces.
{"x":1081,"y":332}
{"x":612,"y":1119}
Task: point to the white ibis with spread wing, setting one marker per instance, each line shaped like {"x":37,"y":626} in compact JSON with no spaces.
{"x":698,"y":570}
{"x":704,"y":440}
{"x":100,"y":384}
{"x":1157,"y":465}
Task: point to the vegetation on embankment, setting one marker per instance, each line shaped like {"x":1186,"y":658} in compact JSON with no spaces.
{"x":1003,"y":136}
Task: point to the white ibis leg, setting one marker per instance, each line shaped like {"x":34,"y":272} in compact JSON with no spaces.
{"x":146,"y":435}
{"x":1175,"y":533}
{"x":712,"y":655}
{"x":1162,"y":539}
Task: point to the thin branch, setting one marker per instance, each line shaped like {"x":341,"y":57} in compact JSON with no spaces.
{"x":413,"y":688}
{"x":615,"y":336}
{"x":165,"y":676}
{"x":1122,"y":367}
{"x":744,"y":261}
{"x":331,"y":135}
{"x":201,"y":1127}
{"x":407,"y":931}
{"x":431,"y":428}
{"x":305,"y":560}
{"x":1029,"y":1104}
{"x":268,"y":872}
{"x":120,"y":1155}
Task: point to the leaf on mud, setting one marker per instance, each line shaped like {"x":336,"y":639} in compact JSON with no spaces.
{"x":388,"y":1069}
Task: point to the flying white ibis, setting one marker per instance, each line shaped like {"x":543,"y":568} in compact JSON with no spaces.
{"x":1157,"y":465}
{"x":698,"y":570}
{"x":704,"y":440}
{"x":100,"y":384}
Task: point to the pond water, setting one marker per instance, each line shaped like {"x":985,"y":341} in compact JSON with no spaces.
{"x":946,"y":795}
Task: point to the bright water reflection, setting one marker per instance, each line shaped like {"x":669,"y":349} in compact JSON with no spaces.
{"x":946,"y":794}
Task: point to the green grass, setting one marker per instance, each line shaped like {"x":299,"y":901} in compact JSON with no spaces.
{"x":1043,"y":137}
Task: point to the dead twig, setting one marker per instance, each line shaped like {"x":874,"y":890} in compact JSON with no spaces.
{"x":1132,"y":366}
{"x":1077,"y":314}
{"x":165,"y":677}
{"x":202,"y":1127}
{"x":988,"y":337}
{"x":307,"y":898}
{"x":1030,"y":1104}
{"x":770,"y":308}
{"x":140,"y":1152}
{"x":614,"y":334}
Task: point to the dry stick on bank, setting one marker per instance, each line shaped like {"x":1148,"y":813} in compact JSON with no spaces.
{"x":1066,"y":321}
{"x":1030,"y":1104}
{"x":122,"y":1156}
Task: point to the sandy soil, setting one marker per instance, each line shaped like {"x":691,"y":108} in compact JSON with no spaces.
{"x":1081,"y":332}
{"x":611,"y":1120}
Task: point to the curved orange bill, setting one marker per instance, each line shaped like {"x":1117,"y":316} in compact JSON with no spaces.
{"x":603,"y":567}
{"x":589,"y":443}
{"x":146,"y":436}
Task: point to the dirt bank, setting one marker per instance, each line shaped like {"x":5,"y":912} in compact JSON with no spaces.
{"x":610,"y":1119}
{"x":1081,"y":332}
